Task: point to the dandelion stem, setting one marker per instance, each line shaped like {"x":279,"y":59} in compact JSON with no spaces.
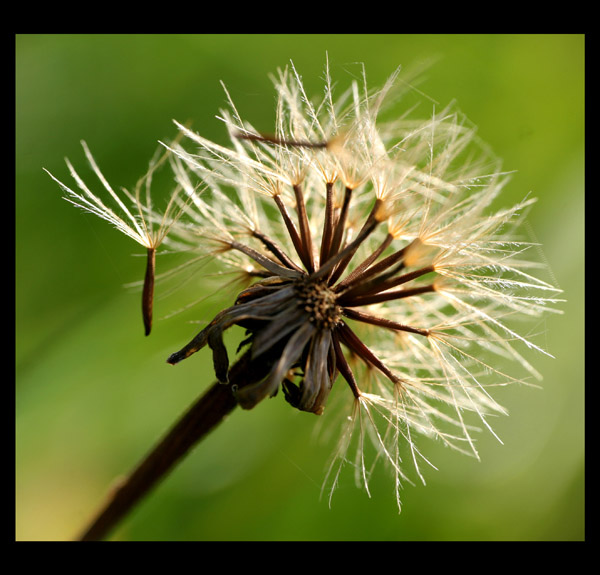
{"x":382,"y":321}
{"x":327,"y":224}
{"x":276,"y":250}
{"x":389,"y":296}
{"x":378,"y":285}
{"x":340,"y":225}
{"x":353,"y":342}
{"x":282,"y":142}
{"x":368,"y":228}
{"x":304,"y":227}
{"x":375,"y":269}
{"x":344,"y":368}
{"x":357,"y":272}
{"x":201,"y":418}
{"x":291,"y":228}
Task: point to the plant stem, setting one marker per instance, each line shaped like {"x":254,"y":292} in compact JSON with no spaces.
{"x":203,"y":416}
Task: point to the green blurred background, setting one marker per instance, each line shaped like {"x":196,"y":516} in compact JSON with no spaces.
{"x":93,"y":394}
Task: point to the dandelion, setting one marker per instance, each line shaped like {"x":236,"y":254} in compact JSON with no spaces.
{"x":371,"y":254}
{"x":384,"y":259}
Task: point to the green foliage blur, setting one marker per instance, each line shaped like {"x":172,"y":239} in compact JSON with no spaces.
{"x":93,"y":394}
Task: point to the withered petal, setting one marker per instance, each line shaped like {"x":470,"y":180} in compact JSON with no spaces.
{"x":286,"y":321}
{"x":250,"y":395}
{"x":317,"y":382}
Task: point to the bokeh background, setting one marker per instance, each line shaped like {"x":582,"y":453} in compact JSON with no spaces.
{"x":93,"y":394}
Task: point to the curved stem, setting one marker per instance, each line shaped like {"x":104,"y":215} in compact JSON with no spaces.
{"x":201,"y":418}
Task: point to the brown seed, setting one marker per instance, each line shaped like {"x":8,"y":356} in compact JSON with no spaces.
{"x":148,"y":292}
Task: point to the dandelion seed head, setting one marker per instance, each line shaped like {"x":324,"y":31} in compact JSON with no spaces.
{"x":373,"y":258}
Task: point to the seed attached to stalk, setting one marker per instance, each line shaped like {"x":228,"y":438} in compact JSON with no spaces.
{"x":148,"y":291}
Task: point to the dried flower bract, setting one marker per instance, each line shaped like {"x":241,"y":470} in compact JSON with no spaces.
{"x":372,"y":255}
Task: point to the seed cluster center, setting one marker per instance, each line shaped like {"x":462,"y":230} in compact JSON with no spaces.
{"x":319,"y":302}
